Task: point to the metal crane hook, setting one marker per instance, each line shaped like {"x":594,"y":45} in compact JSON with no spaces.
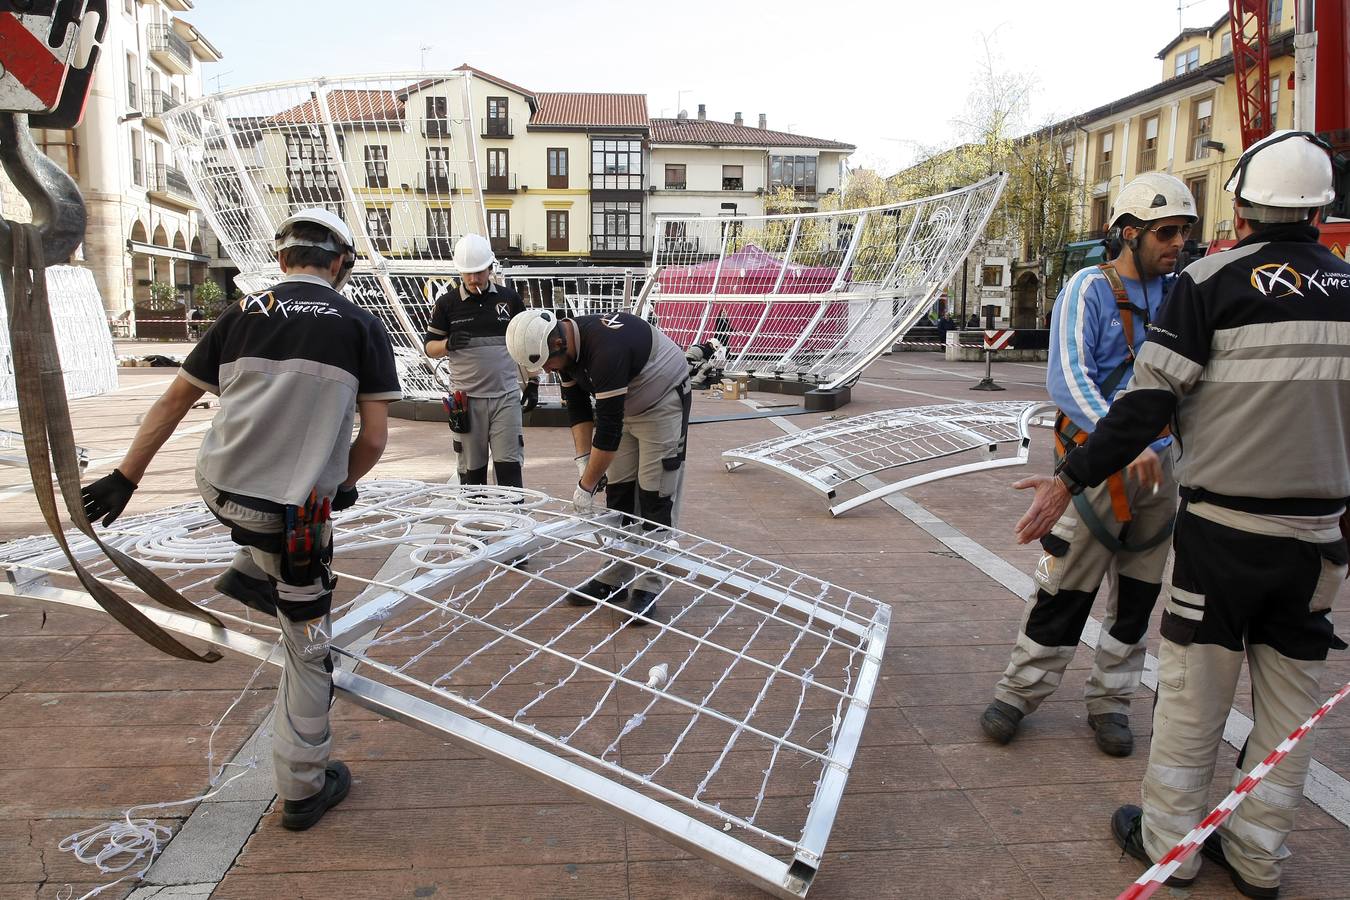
{"x":58,"y":208}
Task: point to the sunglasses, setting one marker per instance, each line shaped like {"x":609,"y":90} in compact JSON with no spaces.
{"x":1169,"y":232}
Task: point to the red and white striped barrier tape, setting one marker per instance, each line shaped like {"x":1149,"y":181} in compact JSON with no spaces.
{"x":1163,"y":869}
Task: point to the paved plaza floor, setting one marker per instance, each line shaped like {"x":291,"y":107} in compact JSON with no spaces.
{"x":92,"y":721}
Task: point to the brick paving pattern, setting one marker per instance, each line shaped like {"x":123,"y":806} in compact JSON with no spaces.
{"x":93,"y":721}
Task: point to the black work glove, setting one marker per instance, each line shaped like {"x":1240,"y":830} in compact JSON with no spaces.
{"x":107,"y":497}
{"x":529,"y":398}
{"x":345,"y":497}
{"x":457,"y":340}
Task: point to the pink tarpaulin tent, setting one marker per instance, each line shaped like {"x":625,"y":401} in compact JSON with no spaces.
{"x":750,"y":270}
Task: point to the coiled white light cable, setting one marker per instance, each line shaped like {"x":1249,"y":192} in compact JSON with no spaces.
{"x":117,"y":846}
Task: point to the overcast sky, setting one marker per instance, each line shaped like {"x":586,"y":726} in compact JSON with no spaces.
{"x":881,"y":75}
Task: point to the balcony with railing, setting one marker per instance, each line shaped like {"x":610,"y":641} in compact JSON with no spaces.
{"x":616,"y":244}
{"x":434,"y":182}
{"x":170,"y":185}
{"x":500,"y":184}
{"x":1103,"y":169}
{"x":434,"y":247}
{"x":313,"y":185}
{"x":157,"y":103}
{"x":497,"y":127}
{"x":511,"y":242}
{"x":436,"y":128}
{"x":1148,"y":159}
{"x":170,"y":50}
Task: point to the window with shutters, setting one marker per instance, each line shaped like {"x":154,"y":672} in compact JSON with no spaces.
{"x":1148,"y":145}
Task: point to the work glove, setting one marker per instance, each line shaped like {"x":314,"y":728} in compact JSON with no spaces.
{"x":345,"y":497}
{"x":457,"y":340}
{"x":582,"y":461}
{"x":107,"y":497}
{"x":529,"y":398}
{"x":583,"y":500}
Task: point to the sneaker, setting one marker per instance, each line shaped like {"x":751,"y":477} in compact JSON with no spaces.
{"x":594,"y":591}
{"x":255,"y":593}
{"x":1113,"y":733}
{"x":642,"y":603}
{"x":1000,"y":721}
{"x":297,"y":815}
{"x":1127,"y":827}
{"x":1213,"y":851}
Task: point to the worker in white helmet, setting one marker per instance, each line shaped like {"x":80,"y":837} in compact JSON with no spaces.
{"x":630,"y":441}
{"x":292,"y":365}
{"x":1251,"y":362}
{"x":1097,"y":327}
{"x":468,"y":328}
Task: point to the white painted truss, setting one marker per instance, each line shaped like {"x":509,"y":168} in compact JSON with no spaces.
{"x":854,"y":449}
{"x":726,"y":722}
{"x":83,"y":341}
{"x":812,"y":296}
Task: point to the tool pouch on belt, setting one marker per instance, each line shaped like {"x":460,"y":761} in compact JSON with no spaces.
{"x":457,"y":410}
{"x":307,"y":548}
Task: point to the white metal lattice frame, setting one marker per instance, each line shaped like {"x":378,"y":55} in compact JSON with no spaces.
{"x":847,"y":451}
{"x":815,"y":296}
{"x":83,"y":340}
{"x":728,"y":723}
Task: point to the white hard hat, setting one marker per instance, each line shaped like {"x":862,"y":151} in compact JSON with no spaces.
{"x":527,"y":336}
{"x":1153,"y":196}
{"x":473,"y":253}
{"x":339,"y":241}
{"x":1283,"y":177}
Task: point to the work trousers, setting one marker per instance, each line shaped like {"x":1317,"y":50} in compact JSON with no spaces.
{"x":1068,"y":576}
{"x":1236,"y":592}
{"x":646,"y":477}
{"x":495,"y":426}
{"x":301,"y":737}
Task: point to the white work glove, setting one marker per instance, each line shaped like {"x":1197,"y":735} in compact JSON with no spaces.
{"x":582,"y":462}
{"x":583,"y":501}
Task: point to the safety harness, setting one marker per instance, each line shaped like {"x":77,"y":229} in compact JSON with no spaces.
{"x":1067,"y":435}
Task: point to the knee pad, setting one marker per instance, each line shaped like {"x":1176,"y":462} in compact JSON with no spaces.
{"x":304,"y":603}
{"x":1133,"y":607}
{"x":622,"y":496}
{"x":1057,"y":619}
{"x":474,"y":476}
{"x":508,"y":474}
{"x":656,"y":507}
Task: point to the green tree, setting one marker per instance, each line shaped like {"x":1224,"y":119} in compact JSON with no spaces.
{"x":163,"y":297}
{"x":209,"y":298}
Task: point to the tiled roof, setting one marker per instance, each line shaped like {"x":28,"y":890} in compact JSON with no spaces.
{"x":706,"y":131}
{"x":495,"y":80}
{"x":345,"y":106}
{"x":594,"y":110}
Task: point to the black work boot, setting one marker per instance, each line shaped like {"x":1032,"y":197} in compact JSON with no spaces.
{"x":297,"y":815}
{"x":1001,"y":720}
{"x":255,"y":593}
{"x":1113,"y":733}
{"x":1213,"y":851}
{"x":1127,"y":827}
{"x":641,"y":603}
{"x":595,"y":590}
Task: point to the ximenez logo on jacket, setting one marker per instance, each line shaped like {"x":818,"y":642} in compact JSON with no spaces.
{"x":267,"y":303}
{"x":1277,"y":280}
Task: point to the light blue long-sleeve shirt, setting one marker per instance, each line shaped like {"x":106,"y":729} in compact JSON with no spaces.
{"x":1087,"y":343}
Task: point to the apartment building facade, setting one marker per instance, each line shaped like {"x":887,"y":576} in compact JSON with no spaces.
{"x":143,"y":223}
{"x":703,"y":167}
